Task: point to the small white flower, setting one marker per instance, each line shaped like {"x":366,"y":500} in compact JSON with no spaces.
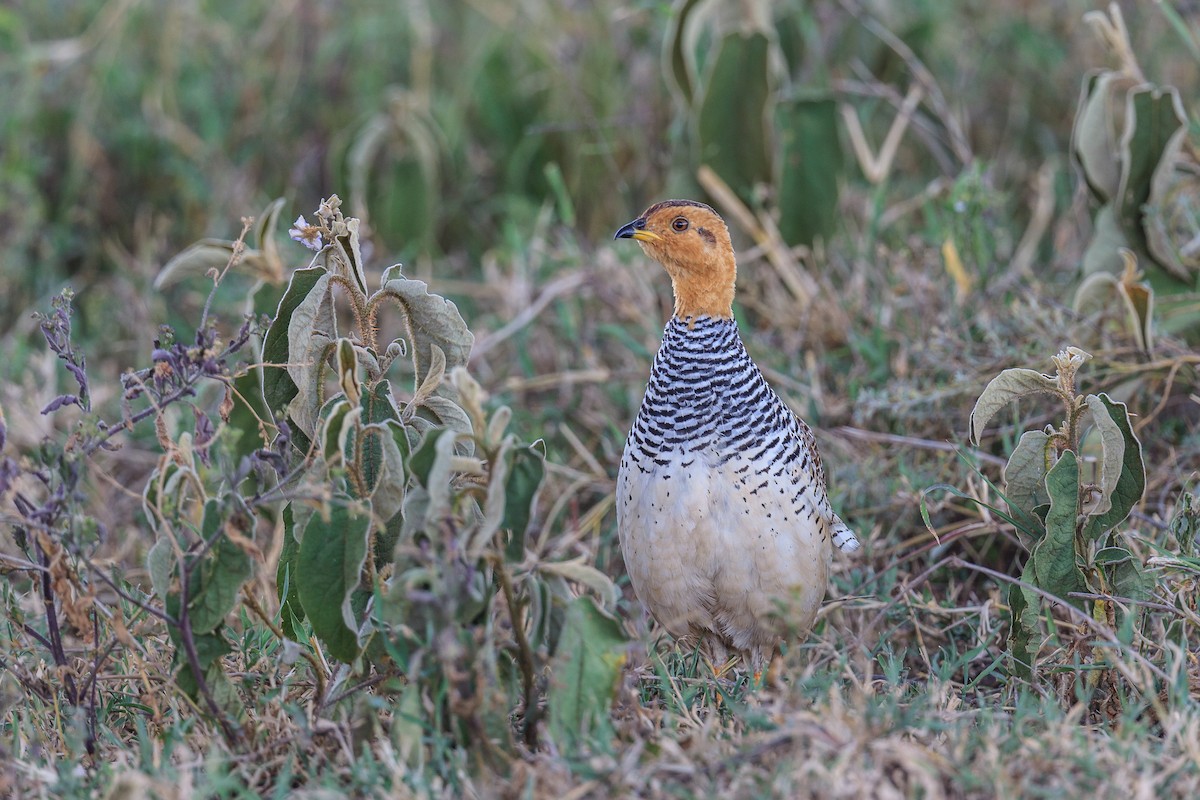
{"x":305,"y":234}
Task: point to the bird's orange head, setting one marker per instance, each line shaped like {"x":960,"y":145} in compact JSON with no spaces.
{"x":692,"y":242}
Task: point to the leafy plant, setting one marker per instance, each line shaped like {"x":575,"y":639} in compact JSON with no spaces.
{"x":1130,"y":140}
{"x":1068,"y":507}
{"x":404,"y":519}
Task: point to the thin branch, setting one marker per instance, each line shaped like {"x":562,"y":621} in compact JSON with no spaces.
{"x":524,"y":653}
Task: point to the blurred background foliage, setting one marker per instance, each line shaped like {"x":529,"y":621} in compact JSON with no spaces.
{"x":133,"y":128}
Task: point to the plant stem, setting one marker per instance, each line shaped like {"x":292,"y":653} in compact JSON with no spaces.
{"x":524,"y":652}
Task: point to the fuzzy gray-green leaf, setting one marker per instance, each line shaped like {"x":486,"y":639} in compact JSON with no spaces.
{"x":1009,"y":385}
{"x":1025,"y":472}
{"x":1131,"y":481}
{"x":431,"y":320}
{"x":278,"y":386}
{"x":1112,"y":459}
{"x":311,"y":332}
{"x":329,"y":566}
{"x":1055,"y":566}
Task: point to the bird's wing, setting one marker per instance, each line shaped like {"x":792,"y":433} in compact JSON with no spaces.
{"x":844,"y":539}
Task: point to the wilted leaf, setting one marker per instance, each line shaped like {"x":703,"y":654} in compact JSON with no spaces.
{"x":585,"y":668}
{"x":449,"y":414}
{"x":493,"y":506}
{"x":431,"y":320}
{"x":332,"y":554}
{"x":1185,"y":524}
{"x":1096,"y":137}
{"x":1009,"y":385}
{"x":212,"y":254}
{"x":1171,"y":224}
{"x":347,"y":252}
{"x":1025,"y":472}
{"x":1112,"y":461}
{"x":264,"y":237}
{"x":311,"y":333}
{"x":1131,"y":481}
{"x":278,"y":387}
{"x":1054,"y":563}
{"x":1139,"y":301}
{"x":408,"y":726}
{"x":1106,"y":556}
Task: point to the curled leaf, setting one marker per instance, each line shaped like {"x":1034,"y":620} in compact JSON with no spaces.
{"x":1009,"y":385}
{"x":1112,"y":446}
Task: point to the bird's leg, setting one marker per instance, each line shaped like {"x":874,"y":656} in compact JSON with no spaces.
{"x":717,"y":657}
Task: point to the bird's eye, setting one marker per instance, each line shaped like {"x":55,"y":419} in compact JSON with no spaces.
{"x":680,"y":224}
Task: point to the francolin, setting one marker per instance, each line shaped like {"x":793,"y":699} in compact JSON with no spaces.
{"x":722,"y":511}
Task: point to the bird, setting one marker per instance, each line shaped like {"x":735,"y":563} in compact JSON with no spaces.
{"x":723,"y":514}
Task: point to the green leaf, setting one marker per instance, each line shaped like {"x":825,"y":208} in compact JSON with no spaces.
{"x":1009,"y":385}
{"x":160,"y":563}
{"x":332,"y":554}
{"x":278,"y":387}
{"x":1023,"y":605}
{"x":1152,"y":117}
{"x":732,"y":122}
{"x":810,"y":169}
{"x":1130,"y":581}
{"x":679,"y":57}
{"x":291,"y":612}
{"x":1055,"y":566}
{"x":1025,"y":472}
{"x":1131,"y":482}
{"x":584,"y":671}
{"x":524,"y":479}
{"x":218,"y":575}
{"x":1111,"y":555}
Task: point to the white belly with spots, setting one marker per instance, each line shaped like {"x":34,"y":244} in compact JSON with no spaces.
{"x":710,"y":549}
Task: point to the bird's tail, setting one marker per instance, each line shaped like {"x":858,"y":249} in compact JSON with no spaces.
{"x":843,"y":538}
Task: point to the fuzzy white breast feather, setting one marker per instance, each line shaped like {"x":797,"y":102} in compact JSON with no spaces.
{"x":710,"y":548}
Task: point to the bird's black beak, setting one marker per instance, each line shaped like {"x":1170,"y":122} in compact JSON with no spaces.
{"x":636,"y":230}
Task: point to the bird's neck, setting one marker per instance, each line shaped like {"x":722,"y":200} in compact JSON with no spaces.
{"x":703,"y":297}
